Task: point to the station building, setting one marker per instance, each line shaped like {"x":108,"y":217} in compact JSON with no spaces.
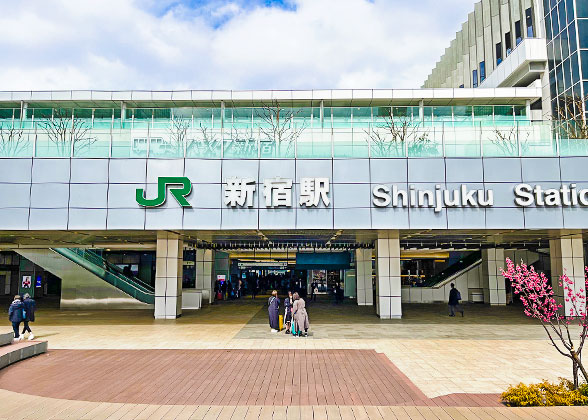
{"x":158,"y":199}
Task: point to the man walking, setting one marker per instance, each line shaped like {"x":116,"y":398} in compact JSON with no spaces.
{"x":454,"y":298}
{"x":16,"y":316}
{"x":29,"y":307}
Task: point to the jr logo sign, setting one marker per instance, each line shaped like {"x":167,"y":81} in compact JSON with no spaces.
{"x":180,"y":187}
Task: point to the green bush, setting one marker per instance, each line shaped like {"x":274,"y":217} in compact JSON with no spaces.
{"x":545,"y":394}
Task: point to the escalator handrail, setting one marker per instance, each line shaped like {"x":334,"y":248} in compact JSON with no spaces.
{"x":453,"y":269}
{"x":106,"y":265}
{"x":120,"y":282}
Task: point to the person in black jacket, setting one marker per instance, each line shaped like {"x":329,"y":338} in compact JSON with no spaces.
{"x":16,"y":316}
{"x":454,"y":298}
{"x":29,"y":306}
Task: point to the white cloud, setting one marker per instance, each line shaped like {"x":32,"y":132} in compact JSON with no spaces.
{"x":118,"y":44}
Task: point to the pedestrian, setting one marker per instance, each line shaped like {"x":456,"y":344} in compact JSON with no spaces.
{"x":313,"y":291}
{"x":29,"y":307}
{"x":454,"y":298}
{"x":300,"y":316}
{"x":16,"y":316}
{"x":288,"y":302}
{"x":274,"y":311}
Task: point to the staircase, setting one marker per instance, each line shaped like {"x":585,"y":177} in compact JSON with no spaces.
{"x":89,"y":281}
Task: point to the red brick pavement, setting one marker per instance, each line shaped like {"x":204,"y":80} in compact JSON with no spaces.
{"x":225,"y":377}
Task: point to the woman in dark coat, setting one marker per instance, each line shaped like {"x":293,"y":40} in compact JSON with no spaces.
{"x":288,"y":302}
{"x":274,"y":310}
{"x":16,"y":316}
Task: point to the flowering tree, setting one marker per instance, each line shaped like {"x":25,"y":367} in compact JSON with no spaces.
{"x":538,"y":300}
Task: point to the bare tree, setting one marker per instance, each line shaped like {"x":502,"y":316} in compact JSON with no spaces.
{"x":395,"y":135}
{"x":570,"y":119}
{"x":66,"y":131}
{"x":205,"y":142}
{"x":13,"y":141}
{"x":510,"y":142}
{"x":242,"y":142}
{"x":278,"y":126}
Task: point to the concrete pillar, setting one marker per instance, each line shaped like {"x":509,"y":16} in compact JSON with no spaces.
{"x":493,"y":283}
{"x":567,"y":257}
{"x":363,"y":269}
{"x":168,"y":275}
{"x":388,"y":285}
{"x":204,"y":270}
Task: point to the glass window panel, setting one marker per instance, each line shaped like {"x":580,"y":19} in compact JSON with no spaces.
{"x":427,"y":115}
{"x":95,"y":144}
{"x":572,"y":38}
{"x":520,"y":112}
{"x":462,"y":114}
{"x":341,"y":117}
{"x":561,"y":9}
{"x":203,"y":142}
{"x":570,"y":9}
{"x":567,"y":73}
{"x":575,"y":68}
{"x":327,"y":117}
{"x":529,"y":23}
{"x":565,"y":48}
{"x":503,"y":113}
{"x":583,"y":32}
{"x":62,"y":113}
{"x":6,"y":113}
{"x":557,"y":51}
{"x":183,"y":113}
{"x":163,"y":114}
{"x":143,"y":114}
{"x":362,"y":117}
{"x":16,"y":113}
{"x":584,"y":56}
{"x":40,"y":113}
{"x":316,"y":117}
{"x":554,"y":22}
{"x":442,"y":113}
{"x":581,"y":9}
{"x":301,"y":117}
{"x":560,"y":80}
{"x":242,"y":117}
{"x":84,"y":113}
{"x":550,"y":57}
{"x":216,"y":118}
{"x":548,"y":26}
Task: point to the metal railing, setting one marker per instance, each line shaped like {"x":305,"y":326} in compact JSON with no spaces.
{"x":520,"y":138}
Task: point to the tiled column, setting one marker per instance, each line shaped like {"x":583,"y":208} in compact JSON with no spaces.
{"x":363,"y":269}
{"x":493,"y":260}
{"x":204,"y":264}
{"x":567,"y":256}
{"x":168,"y":275}
{"x":388,"y":285}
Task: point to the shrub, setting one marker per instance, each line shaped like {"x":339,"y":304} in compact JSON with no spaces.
{"x":545,"y":394}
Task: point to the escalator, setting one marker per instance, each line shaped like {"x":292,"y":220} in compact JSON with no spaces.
{"x":454,"y":270}
{"x":110,"y":273}
{"x":89,"y":281}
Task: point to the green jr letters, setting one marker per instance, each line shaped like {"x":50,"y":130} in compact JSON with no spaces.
{"x":179,"y":193}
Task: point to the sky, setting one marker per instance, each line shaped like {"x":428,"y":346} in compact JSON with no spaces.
{"x":223,"y":44}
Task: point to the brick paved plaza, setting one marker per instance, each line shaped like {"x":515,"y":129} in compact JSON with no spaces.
{"x":222,"y":362}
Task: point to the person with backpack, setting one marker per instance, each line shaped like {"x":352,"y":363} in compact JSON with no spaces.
{"x":29,"y":307}
{"x":454,"y":298}
{"x":16,"y":316}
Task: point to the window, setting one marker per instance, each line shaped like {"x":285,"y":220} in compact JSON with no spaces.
{"x":475,"y":78}
{"x":529,"y":22}
{"x":482,"y":71}
{"x":508,"y":43}
{"x":498,"y":53}
{"x":518,"y":34}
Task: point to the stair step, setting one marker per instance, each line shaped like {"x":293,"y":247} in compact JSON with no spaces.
{"x":6,"y":338}
{"x":20,"y":351}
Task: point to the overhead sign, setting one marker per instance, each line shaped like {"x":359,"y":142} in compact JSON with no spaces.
{"x":263,"y":264}
{"x":278,"y":193}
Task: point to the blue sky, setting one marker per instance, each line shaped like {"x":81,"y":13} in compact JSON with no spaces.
{"x":224,"y":44}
